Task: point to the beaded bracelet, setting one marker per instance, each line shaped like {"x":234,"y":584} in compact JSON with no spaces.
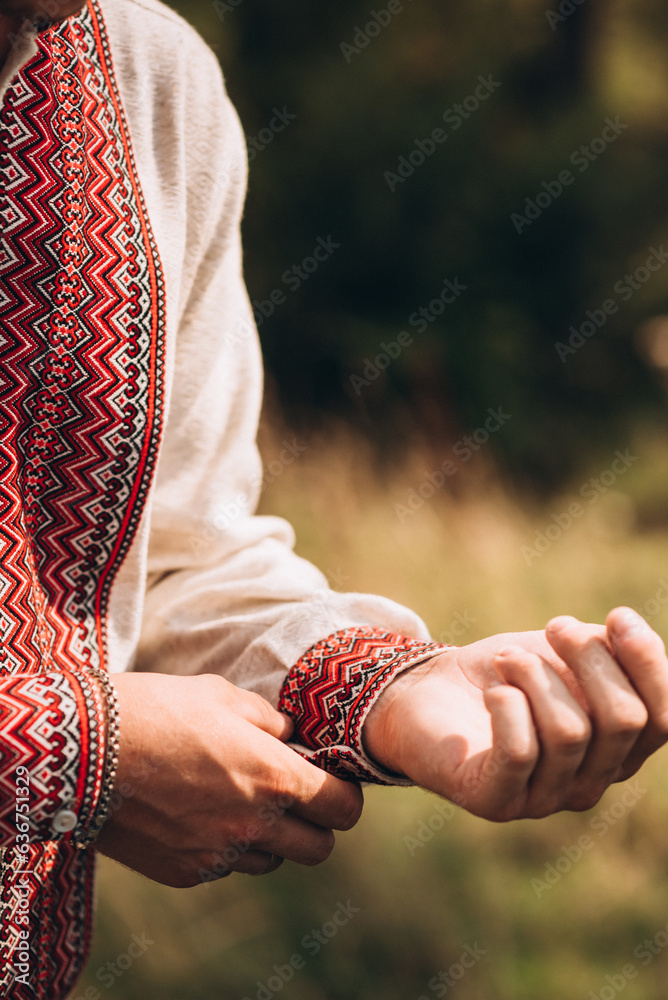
{"x":103,"y":808}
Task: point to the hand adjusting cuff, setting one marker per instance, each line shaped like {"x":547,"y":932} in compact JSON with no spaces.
{"x":332,"y":688}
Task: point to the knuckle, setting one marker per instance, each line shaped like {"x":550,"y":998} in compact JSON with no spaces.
{"x":517,"y":668}
{"x":520,"y":754}
{"x":585,"y":798}
{"x":592,"y":658}
{"x":627,"y":770}
{"x":321,"y":851}
{"x":184,"y":882}
{"x":546,"y":807}
{"x":660,"y":722}
{"x":520,"y":748}
{"x":264,"y":709}
{"x":213,"y":686}
{"x":351,"y":810}
{"x":627,"y":715}
{"x":570,"y":735}
{"x":642,"y":639}
{"x":252,"y":863}
{"x":243,"y":833}
{"x":182,"y":876}
{"x":575,"y":636}
{"x":255,"y":863}
{"x":502,"y":814}
{"x":281,"y":786}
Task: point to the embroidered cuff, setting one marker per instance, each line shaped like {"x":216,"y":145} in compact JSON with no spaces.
{"x":54,"y":746}
{"x":331,"y":689}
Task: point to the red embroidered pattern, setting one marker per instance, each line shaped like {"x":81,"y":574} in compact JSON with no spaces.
{"x":41,"y":724}
{"x":81,"y":363}
{"x":331,"y":689}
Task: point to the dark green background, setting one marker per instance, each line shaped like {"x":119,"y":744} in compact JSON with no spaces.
{"x":324,"y":174}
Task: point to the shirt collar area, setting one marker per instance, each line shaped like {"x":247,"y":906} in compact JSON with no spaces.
{"x":24,"y":47}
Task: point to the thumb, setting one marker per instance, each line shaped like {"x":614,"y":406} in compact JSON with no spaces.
{"x":257,"y":710}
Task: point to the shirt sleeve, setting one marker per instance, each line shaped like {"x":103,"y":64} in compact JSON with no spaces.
{"x":53,"y":729}
{"x":226,"y":593}
{"x":330,"y":691}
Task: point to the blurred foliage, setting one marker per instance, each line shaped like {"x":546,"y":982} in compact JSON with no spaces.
{"x":357,"y":113}
{"x":460,"y":565}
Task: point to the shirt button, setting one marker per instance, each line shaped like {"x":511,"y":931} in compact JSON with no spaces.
{"x":64,"y":821}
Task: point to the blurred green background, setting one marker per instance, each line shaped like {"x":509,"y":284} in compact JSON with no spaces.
{"x":492,"y":548}
{"x":361,"y":103}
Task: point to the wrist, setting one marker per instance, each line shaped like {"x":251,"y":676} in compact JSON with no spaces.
{"x":387,"y":727}
{"x":332,"y":690}
{"x":376,"y":742}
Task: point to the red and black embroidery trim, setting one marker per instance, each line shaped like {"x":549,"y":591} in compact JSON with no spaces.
{"x":332,"y":688}
{"x":81,"y":383}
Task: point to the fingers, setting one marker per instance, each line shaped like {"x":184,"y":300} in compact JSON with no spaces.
{"x":296,"y":823}
{"x":642,"y":654}
{"x":250,"y":863}
{"x":295,"y":840}
{"x":323,"y":799}
{"x":260,"y":850}
{"x":257,"y":710}
{"x":617,"y":712}
{"x":317,"y":797}
{"x":563,"y":728}
{"x":500,"y":787}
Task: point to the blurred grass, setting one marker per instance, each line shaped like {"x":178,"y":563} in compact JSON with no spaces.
{"x":471,"y":883}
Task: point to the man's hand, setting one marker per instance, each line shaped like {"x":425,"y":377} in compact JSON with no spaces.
{"x":206,"y":785}
{"x":526,"y":724}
